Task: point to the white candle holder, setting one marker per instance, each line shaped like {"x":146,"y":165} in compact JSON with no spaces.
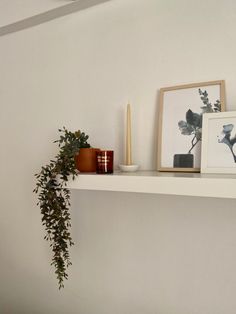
{"x":129,"y":168}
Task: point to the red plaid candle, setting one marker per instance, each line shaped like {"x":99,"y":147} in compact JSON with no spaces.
{"x":104,"y":161}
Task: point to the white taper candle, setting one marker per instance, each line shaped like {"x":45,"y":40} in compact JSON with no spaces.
{"x":128,"y":137}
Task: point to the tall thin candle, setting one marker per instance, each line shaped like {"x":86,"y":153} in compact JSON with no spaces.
{"x":128,"y":137}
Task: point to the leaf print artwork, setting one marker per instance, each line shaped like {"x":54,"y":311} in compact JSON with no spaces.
{"x":193,"y":123}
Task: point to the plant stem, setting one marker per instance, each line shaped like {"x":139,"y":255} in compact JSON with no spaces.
{"x":193,"y":144}
{"x":234,"y":156}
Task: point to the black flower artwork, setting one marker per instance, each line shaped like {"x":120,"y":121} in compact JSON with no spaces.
{"x":193,"y":124}
{"x":228,"y":139}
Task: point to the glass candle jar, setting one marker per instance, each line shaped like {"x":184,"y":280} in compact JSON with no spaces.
{"x":104,"y":161}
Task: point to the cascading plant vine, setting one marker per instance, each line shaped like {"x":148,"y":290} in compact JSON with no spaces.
{"x":54,"y":198}
{"x":193,"y":124}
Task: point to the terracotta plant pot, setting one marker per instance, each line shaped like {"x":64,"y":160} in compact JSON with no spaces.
{"x":86,"y":159}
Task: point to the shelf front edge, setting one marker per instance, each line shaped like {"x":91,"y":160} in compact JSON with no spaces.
{"x":201,"y":187}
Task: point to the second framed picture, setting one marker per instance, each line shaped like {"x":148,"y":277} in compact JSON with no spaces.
{"x":219,"y":143}
{"x":181,"y":109}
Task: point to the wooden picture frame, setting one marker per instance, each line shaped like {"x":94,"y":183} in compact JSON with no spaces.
{"x":180,"y":123}
{"x":219,"y":143}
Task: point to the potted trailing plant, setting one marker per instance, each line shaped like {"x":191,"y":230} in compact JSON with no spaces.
{"x":54,"y":198}
{"x":85,"y":160}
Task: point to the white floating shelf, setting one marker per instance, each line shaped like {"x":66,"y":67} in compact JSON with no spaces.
{"x":188,"y":184}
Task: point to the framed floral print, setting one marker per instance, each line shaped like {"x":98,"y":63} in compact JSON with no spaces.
{"x":219,"y":143}
{"x":180,"y":114}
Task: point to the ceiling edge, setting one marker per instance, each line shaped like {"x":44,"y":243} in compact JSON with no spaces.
{"x":47,"y":16}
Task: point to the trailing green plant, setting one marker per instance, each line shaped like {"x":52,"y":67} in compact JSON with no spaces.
{"x":54,"y":198}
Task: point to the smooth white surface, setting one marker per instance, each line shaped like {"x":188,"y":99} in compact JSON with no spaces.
{"x":187,"y":184}
{"x":134,"y":253}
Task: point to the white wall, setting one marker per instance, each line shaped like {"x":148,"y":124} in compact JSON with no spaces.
{"x":134,"y":254}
